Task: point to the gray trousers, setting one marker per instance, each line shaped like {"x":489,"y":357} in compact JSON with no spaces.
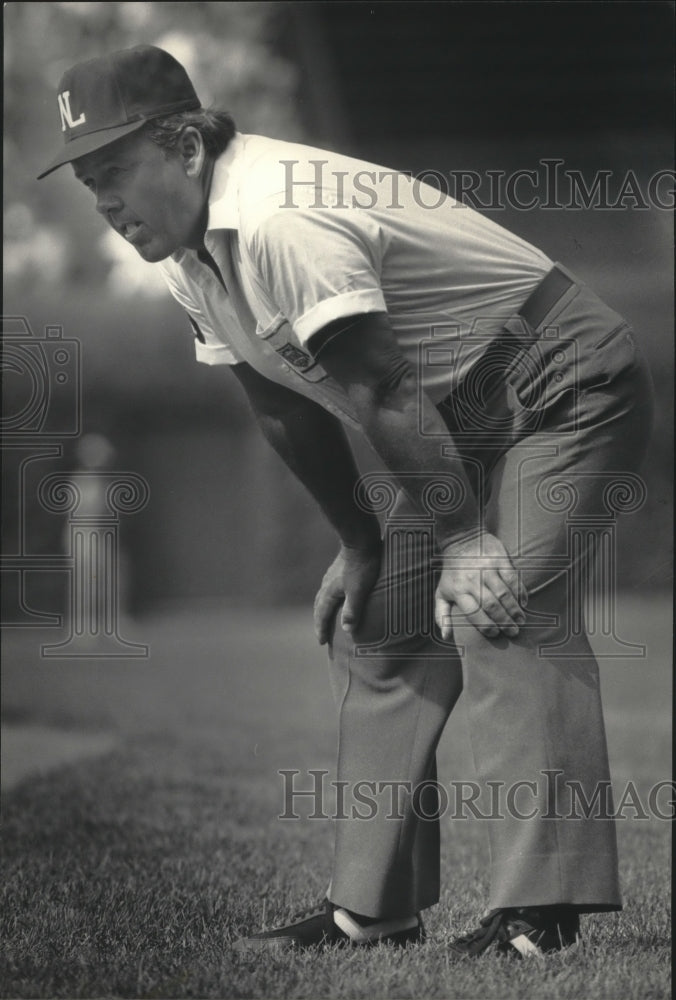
{"x":547,"y":443}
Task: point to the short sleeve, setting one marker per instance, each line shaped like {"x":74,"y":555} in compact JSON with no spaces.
{"x":210,"y":349}
{"x":319,"y":265}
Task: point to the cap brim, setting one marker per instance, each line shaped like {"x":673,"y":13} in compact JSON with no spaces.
{"x":86,"y":144}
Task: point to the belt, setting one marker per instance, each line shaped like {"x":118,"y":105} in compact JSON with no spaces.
{"x":544,"y":296}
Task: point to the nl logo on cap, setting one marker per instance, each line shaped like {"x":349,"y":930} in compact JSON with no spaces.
{"x":67,"y":120}
{"x":120,"y":92}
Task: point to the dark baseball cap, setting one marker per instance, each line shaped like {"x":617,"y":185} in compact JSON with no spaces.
{"x":104,"y":99}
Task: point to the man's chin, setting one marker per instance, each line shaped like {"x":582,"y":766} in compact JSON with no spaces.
{"x":152,"y":254}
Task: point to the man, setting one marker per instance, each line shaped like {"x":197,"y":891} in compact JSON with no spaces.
{"x":492,"y":384}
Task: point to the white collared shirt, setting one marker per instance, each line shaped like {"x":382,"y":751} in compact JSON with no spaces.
{"x":303,"y":237}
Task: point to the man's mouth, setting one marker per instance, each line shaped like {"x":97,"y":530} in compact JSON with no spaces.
{"x":130,"y":230}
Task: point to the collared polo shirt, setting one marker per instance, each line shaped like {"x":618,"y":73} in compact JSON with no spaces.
{"x":303,"y":237}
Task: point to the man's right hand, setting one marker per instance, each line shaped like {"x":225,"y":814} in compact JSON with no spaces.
{"x":349,"y":581}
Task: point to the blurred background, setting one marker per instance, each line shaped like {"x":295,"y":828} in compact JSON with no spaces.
{"x":443,"y":86}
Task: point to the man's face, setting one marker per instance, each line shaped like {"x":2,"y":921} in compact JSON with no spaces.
{"x":147,"y":196}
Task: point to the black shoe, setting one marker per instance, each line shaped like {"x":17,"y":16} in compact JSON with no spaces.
{"x":533,"y":931}
{"x":326,"y":925}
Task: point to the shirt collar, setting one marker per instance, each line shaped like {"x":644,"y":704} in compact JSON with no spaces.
{"x":223,"y":201}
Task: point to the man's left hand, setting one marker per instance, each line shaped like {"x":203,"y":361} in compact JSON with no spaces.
{"x":479,"y":579}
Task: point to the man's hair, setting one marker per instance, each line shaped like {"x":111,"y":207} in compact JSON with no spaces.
{"x":216,"y":128}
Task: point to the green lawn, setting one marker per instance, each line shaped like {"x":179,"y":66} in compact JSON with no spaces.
{"x":128,"y":874}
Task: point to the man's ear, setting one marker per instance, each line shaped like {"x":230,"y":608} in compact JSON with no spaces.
{"x":192,"y":152}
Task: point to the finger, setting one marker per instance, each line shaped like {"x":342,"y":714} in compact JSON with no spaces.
{"x":351,"y":615}
{"x":477,"y":616}
{"x":353,"y":609}
{"x":442,"y":617}
{"x":492,"y":606}
{"x":502,"y":593}
{"x":326,"y":606}
{"x":513,"y":580}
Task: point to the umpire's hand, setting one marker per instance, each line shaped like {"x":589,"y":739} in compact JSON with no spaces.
{"x":478,"y":577}
{"x":349,"y":581}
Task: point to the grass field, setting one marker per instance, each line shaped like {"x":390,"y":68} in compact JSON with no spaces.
{"x":127,"y":873}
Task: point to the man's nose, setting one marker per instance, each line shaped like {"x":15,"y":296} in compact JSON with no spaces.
{"x":107,"y":202}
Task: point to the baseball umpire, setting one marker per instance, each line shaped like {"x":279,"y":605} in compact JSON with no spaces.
{"x":488,"y":379}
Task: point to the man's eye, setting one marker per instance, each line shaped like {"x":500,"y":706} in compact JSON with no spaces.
{"x":114,"y":171}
